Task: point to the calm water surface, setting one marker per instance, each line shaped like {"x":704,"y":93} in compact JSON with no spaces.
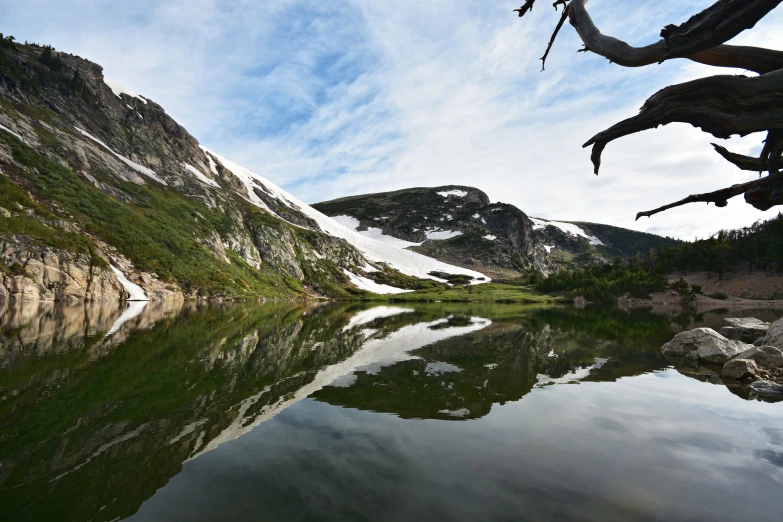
{"x":345,"y":412}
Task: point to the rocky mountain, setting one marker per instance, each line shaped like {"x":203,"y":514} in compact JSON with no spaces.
{"x":104,"y":196}
{"x":459,"y":225}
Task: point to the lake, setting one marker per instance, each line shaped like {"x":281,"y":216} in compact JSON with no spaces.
{"x":255,"y":412}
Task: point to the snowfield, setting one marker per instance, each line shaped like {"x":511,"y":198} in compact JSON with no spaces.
{"x":568,"y":228}
{"x":200,"y":175}
{"x":458,"y":193}
{"x":404,"y":261}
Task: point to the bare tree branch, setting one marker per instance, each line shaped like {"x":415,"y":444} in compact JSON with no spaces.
{"x":743,"y":162}
{"x":721,"y":197}
{"x":554,"y":35}
{"x":717,"y":24}
{"x":720,"y":105}
{"x":527,"y":6}
{"x":750,"y":58}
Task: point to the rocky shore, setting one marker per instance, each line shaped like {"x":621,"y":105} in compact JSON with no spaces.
{"x":746,"y":355}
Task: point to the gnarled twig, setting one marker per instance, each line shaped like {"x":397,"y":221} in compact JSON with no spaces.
{"x":743,"y":162}
{"x":554,"y":35}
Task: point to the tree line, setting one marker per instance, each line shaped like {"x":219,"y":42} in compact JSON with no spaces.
{"x":758,"y":247}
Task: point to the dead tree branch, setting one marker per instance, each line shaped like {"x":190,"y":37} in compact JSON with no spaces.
{"x":554,"y":35}
{"x":743,"y":162}
{"x":742,"y":57}
{"x":721,"y":197}
{"x":717,"y":24}
{"x":720,"y":105}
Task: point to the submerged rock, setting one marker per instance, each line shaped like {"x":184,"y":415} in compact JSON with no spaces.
{"x":774,"y":335}
{"x":767,"y":389}
{"x":745,"y":329}
{"x":703,"y":345}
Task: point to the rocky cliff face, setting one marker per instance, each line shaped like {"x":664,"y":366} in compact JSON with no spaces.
{"x":452,"y":223}
{"x":91,"y":177}
{"x":459,"y":225}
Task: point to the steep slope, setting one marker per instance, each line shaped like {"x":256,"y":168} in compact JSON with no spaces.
{"x":452,"y":223}
{"x":98,"y":183}
{"x":459,"y":225}
{"x":576,"y":243}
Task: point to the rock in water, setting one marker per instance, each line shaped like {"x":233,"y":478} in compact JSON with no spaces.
{"x":767,"y":389}
{"x":738,"y":369}
{"x":745,"y":329}
{"x":763,"y":356}
{"x":703,"y":345}
{"x":774,"y":335}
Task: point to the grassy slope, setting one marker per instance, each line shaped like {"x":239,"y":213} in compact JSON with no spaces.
{"x":157,"y":232}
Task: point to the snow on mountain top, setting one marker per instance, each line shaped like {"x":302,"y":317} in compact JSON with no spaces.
{"x":458,"y":193}
{"x":568,"y":228}
{"x":117,"y":90}
{"x":405,"y":261}
{"x":132,"y":164}
{"x":200,"y":175}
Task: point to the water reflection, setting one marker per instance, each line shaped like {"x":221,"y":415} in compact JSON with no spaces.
{"x":101,"y":405}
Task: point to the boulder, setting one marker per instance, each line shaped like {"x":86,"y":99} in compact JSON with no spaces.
{"x":767,"y":389}
{"x":745,"y":329}
{"x":774,"y":335}
{"x":703,"y":345}
{"x":763,"y":356}
{"x":738,"y":369}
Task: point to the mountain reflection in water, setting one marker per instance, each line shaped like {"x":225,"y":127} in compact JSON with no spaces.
{"x":103,"y":405}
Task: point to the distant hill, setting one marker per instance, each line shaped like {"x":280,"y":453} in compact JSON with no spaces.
{"x":459,"y":225}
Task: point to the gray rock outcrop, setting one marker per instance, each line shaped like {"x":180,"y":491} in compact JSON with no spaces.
{"x":739,"y":369}
{"x":774,"y":336}
{"x":763,"y":356}
{"x":703,"y":345}
{"x":745,"y":329}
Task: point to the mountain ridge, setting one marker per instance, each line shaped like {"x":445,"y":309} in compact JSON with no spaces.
{"x":98,"y":178}
{"x":459,"y":224}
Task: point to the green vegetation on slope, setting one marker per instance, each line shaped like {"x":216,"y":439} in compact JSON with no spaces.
{"x":158,"y":232}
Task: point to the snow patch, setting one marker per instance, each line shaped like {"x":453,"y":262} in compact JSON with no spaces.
{"x":458,"y":193}
{"x":117,"y":90}
{"x":405,"y":261}
{"x":371,"y":286}
{"x":132,"y":164}
{"x":476,"y":216}
{"x":348,"y":221}
{"x":549,"y":248}
{"x":490,"y":237}
{"x":568,"y":228}
{"x":438,"y":368}
{"x":200,"y":175}
{"x":136,"y":292}
{"x":9,"y":131}
{"x":442,"y":234}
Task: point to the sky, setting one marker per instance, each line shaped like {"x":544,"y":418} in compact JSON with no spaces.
{"x":335,"y":98}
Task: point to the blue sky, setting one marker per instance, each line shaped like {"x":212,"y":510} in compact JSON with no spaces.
{"x":334,"y":98}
